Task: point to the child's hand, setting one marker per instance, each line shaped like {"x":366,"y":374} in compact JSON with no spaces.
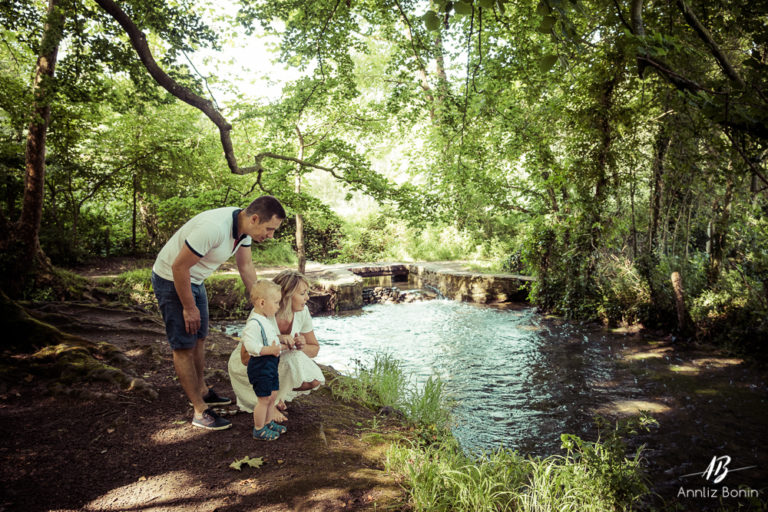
{"x":285,"y":339}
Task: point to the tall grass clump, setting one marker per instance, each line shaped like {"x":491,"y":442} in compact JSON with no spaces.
{"x":383,"y":383}
{"x":275,"y":252}
{"x":592,"y":476}
{"x":380,"y":384}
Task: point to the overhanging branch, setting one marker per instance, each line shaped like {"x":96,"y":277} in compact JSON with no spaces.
{"x":139,"y":43}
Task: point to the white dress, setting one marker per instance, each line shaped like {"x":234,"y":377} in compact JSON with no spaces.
{"x":295,"y":367}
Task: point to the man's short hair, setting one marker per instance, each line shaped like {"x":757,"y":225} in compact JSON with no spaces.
{"x":261,"y":288}
{"x":266,"y":207}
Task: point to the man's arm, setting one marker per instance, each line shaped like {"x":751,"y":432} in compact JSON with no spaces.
{"x":183,"y":284}
{"x":245,"y":267}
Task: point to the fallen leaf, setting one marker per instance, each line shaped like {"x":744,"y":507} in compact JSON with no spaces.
{"x":280,"y":461}
{"x":254,"y":463}
{"x":110,"y":430}
{"x":179,"y":422}
{"x":142,"y":478}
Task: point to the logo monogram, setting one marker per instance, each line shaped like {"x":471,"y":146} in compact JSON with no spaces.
{"x":718,"y":468}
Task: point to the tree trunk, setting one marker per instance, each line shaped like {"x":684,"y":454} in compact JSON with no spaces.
{"x":134,"y":214}
{"x":300,"y":250}
{"x":657,"y":186}
{"x":717,"y":238}
{"x":684,"y":322}
{"x":21,"y":245}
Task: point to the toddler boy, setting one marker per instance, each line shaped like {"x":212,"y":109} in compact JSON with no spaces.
{"x":260,"y":339}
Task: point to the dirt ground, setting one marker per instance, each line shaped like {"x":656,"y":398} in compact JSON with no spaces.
{"x":95,"y":447}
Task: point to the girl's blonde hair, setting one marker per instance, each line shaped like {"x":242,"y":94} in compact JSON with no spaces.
{"x":289,"y":281}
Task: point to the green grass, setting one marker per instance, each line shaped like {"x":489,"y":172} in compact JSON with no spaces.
{"x":439,"y":476}
{"x":384,"y":383}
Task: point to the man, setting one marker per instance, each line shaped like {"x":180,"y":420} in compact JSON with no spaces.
{"x":193,"y":253}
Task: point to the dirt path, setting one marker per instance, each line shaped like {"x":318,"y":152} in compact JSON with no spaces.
{"x":123,"y":452}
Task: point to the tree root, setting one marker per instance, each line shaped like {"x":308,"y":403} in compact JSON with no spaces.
{"x":36,"y":348}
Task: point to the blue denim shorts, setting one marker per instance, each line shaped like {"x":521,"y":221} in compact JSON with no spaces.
{"x":173,"y":312}
{"x":262,"y":374}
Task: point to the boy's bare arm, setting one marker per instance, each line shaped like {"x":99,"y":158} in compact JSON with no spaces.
{"x":272,"y":350}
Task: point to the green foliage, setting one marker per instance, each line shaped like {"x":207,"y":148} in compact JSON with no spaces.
{"x":734,"y":312}
{"x":385,"y":384}
{"x":132,"y":287}
{"x":322,"y":234}
{"x":276,"y":252}
{"x":592,"y":476}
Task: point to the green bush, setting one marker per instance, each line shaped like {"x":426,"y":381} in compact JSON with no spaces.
{"x":132,"y":287}
{"x":273,"y":252}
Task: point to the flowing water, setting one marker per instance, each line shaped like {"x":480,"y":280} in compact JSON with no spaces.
{"x":519,"y":380}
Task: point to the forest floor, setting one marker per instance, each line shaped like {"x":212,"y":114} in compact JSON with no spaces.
{"x":94,"y":447}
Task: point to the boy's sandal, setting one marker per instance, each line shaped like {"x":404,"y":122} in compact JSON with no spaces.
{"x":265,"y":433}
{"x":280,"y":429}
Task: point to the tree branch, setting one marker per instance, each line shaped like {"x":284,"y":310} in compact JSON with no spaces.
{"x":705,"y":36}
{"x":139,"y":43}
{"x":332,"y":172}
{"x":422,"y":67}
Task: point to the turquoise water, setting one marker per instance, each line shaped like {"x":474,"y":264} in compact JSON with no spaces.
{"x":519,"y":380}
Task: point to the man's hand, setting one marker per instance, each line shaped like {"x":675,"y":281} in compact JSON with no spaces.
{"x":192,"y":319}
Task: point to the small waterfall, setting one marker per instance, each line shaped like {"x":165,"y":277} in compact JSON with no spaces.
{"x":435,"y":290}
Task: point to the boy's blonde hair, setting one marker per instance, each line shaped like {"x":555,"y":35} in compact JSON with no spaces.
{"x":261,"y":288}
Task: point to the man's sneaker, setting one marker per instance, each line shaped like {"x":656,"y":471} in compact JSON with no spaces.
{"x":213,"y":399}
{"x":211,"y":421}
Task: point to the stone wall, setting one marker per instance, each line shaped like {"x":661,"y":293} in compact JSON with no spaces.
{"x":342,"y":287}
{"x":471,"y":286}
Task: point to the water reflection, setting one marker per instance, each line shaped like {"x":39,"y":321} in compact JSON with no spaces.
{"x":519,"y":380}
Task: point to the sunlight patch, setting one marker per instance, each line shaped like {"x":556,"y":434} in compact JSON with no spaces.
{"x":154,"y":492}
{"x":655,"y":353}
{"x":687,"y":369}
{"x":632,"y":407}
{"x":716,"y":362}
{"x":178,"y":431}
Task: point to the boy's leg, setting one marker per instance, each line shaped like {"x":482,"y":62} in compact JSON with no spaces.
{"x":261,"y":412}
{"x":271,"y":409}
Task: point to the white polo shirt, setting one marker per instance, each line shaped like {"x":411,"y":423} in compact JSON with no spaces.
{"x":212,"y":235}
